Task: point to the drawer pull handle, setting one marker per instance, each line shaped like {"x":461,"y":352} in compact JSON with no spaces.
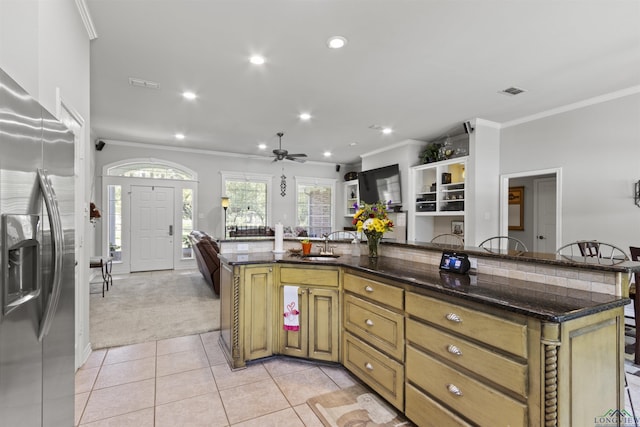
{"x":454,"y":350}
{"x":369,"y":322}
{"x":453,"y":317}
{"x":369,"y":366}
{"x":368,"y":288}
{"x":454,"y":390}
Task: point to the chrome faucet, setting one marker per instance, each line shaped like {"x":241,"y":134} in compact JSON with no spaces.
{"x":328,"y":250}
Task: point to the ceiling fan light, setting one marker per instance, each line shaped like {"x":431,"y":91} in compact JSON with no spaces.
{"x":387,"y":131}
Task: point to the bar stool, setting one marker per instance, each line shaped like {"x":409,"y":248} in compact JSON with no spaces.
{"x":105,"y":264}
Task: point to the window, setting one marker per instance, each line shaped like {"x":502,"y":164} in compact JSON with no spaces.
{"x":114,"y":197}
{"x":248,"y":194}
{"x":315,"y":199}
{"x":187,"y":222}
{"x":151,"y":170}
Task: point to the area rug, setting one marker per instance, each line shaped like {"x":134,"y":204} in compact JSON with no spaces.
{"x":355,"y":406}
{"x":148,"y":306}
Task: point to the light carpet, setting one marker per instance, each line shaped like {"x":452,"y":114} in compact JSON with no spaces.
{"x":149,"y":306}
{"x":355,"y":406}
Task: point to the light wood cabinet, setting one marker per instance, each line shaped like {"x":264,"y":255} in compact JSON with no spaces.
{"x":257,"y":292}
{"x":318,"y":299}
{"x":246,"y":312}
{"x":373,"y":338}
{"x":479,"y":365}
{"x":442,"y":359}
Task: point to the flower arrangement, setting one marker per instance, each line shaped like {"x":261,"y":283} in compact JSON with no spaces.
{"x":373,"y":220}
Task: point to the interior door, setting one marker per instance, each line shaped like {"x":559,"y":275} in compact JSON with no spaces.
{"x":152,"y":228}
{"x":545,"y":215}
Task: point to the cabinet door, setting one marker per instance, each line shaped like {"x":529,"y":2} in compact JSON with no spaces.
{"x":323,"y":324}
{"x":294,"y":343}
{"x":258,"y":313}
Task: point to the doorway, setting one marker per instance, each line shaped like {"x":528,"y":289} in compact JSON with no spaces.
{"x":152,"y":228}
{"x":541,"y":227}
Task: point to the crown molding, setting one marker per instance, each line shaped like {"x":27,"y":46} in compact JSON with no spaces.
{"x":403,"y":143}
{"x":202,"y":151}
{"x":83,"y":9}
{"x":575,"y":106}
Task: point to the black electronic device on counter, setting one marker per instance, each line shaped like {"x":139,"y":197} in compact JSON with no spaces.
{"x":455,"y":262}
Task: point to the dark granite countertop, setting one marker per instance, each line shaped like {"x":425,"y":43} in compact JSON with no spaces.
{"x":545,"y":302}
{"x":589,"y":263}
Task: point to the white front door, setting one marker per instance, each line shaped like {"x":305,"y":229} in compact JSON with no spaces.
{"x":152,"y":227}
{"x":545,"y":215}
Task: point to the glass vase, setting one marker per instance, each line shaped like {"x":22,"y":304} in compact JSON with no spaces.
{"x":372,"y":243}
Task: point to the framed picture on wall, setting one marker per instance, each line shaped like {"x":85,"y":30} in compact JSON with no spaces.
{"x":457,"y":227}
{"x":516,"y":208}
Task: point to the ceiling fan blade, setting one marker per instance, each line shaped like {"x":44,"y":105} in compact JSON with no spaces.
{"x":296,"y":159}
{"x":297,"y":155}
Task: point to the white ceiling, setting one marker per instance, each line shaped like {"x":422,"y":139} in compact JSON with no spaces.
{"x":420,"y":67}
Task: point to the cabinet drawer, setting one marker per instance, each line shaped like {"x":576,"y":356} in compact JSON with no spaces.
{"x":479,"y":402}
{"x":386,"y":294}
{"x":381,"y":373}
{"x":382,"y":328}
{"x":309,"y":276}
{"x":504,"y":334}
{"x":423,"y":411}
{"x":495,"y":367}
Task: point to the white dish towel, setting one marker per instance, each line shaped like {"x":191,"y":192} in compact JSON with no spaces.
{"x":291,"y":313}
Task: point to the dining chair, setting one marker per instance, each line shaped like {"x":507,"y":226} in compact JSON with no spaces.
{"x":498,"y":243}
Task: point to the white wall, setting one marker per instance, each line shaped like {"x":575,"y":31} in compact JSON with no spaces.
{"x":44,"y":46}
{"x":598,"y":149}
{"x":209,"y":216}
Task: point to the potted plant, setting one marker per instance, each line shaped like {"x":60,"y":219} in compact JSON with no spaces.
{"x":306,"y":246}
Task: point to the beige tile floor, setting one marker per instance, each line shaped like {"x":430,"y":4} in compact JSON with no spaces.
{"x":186,"y":381}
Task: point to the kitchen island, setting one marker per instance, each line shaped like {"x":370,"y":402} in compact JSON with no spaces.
{"x":446,"y":349}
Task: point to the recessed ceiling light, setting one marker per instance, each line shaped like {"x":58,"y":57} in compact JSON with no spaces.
{"x":353,"y":144}
{"x":189,"y":95}
{"x":262,"y":146}
{"x":304,"y":116}
{"x":257,"y":60}
{"x":179,"y":135}
{"x":327,"y":153}
{"x":387,"y":131}
{"x":336,"y":42}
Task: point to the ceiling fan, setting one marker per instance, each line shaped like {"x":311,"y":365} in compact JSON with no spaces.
{"x":281,"y":154}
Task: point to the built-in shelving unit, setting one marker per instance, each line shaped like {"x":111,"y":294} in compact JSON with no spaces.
{"x":351,"y":196}
{"x":439,"y":187}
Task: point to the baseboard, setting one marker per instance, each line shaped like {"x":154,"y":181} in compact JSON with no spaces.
{"x":86,"y":352}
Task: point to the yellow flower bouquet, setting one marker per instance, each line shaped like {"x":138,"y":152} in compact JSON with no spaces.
{"x":374,"y":221}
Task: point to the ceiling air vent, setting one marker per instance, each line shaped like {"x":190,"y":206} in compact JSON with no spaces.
{"x":512,"y":91}
{"x":143,"y":83}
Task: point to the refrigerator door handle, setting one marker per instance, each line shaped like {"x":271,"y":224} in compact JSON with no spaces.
{"x":58,"y":239}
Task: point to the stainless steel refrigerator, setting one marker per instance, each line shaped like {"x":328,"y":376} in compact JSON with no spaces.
{"x":37,"y":258}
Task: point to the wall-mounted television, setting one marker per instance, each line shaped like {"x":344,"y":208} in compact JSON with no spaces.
{"x":381,"y":184}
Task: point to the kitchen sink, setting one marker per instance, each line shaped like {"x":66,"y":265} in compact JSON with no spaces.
{"x":318,"y":257}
